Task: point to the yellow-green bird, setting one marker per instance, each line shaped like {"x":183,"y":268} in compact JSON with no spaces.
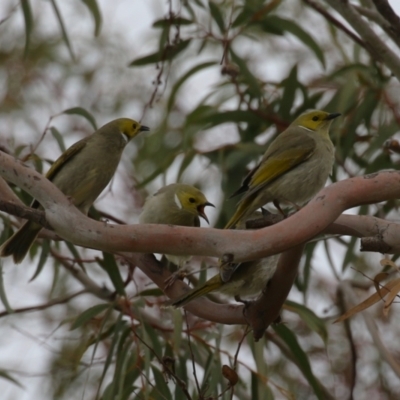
{"x":175,"y":204}
{"x":248,"y":279}
{"x":81,"y":173}
{"x":294,"y":168}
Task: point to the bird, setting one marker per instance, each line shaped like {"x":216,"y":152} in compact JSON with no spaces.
{"x":248,"y":279}
{"x":175,"y":204}
{"x":294,"y":168}
{"x":81,"y":173}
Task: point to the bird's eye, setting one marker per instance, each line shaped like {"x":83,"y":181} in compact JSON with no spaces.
{"x":192,"y":200}
{"x":134,"y":126}
{"x":315,"y":118}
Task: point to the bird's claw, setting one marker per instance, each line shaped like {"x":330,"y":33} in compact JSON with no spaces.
{"x":180,"y":274}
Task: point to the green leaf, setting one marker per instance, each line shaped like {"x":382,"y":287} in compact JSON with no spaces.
{"x":290,"y":85}
{"x":174,"y":50}
{"x":291,"y":27}
{"x":95,"y":11}
{"x":28,"y":18}
{"x":60,"y":140}
{"x":182,"y":80}
{"x":83,"y":113}
{"x":310,"y":318}
{"x":74,"y":252}
{"x":161,"y":23}
{"x":167,"y":54}
{"x":301,"y":357}
{"x":8,"y":377}
{"x":255,"y":88}
{"x":150,"y":59}
{"x":63,"y":30}
{"x":88,"y":314}
{"x":120,"y":328}
{"x":43,"y":258}
{"x":3,"y":295}
{"x":161,"y":388}
{"x":217,"y":15}
{"x":109,"y":265}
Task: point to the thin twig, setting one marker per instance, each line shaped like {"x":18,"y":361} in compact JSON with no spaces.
{"x":44,"y":306}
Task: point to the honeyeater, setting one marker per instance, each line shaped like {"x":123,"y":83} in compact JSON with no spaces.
{"x":294,"y":169}
{"x":248,"y":279}
{"x":81,"y":173}
{"x":175,"y":204}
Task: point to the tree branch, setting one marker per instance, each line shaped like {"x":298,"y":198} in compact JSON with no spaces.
{"x":378,"y":47}
{"x":71,"y":225}
{"x":391,"y":17}
{"x":25,"y":212}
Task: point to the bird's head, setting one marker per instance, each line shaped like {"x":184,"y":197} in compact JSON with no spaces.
{"x":315,"y":120}
{"x":129,"y":127}
{"x":191,"y":200}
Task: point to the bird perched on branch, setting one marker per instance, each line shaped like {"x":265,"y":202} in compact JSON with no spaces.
{"x":248,"y":279}
{"x":294,"y":169}
{"x":175,"y":204}
{"x":81,"y":173}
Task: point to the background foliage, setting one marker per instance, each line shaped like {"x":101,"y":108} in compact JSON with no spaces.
{"x":216,"y":81}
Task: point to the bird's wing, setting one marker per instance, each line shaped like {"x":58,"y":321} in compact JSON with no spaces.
{"x":246,"y":182}
{"x":280,"y":161}
{"x":56,"y":166}
{"x":65,"y":157}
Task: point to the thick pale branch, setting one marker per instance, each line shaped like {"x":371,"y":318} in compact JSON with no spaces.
{"x":311,"y":220}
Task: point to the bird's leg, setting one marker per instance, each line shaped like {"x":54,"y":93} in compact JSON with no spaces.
{"x":181,"y":274}
{"x":179,"y":271}
{"x":240,"y":300}
{"x":226,"y":267}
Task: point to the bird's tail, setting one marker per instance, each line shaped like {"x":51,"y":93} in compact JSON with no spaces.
{"x":242,"y":211}
{"x":212,"y":284}
{"x":19,"y":243}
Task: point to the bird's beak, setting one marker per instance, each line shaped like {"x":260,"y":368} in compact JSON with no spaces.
{"x":200,"y":210}
{"x":332,"y":116}
{"x":144,"y":128}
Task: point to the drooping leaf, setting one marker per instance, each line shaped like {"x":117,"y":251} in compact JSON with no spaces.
{"x":43,"y":258}
{"x":88,"y":314}
{"x":83,"y":113}
{"x":371,"y":300}
{"x":96,"y":14}
{"x":57,"y":135}
{"x":183,"y":79}
{"x":309,"y":317}
{"x":109,"y":265}
{"x":167,"y":54}
{"x":28,"y":19}
{"x":62,"y":27}
{"x":161,"y":23}
{"x":5,"y":375}
{"x":217,"y":15}
{"x":278,"y":25}
{"x":301,"y":357}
